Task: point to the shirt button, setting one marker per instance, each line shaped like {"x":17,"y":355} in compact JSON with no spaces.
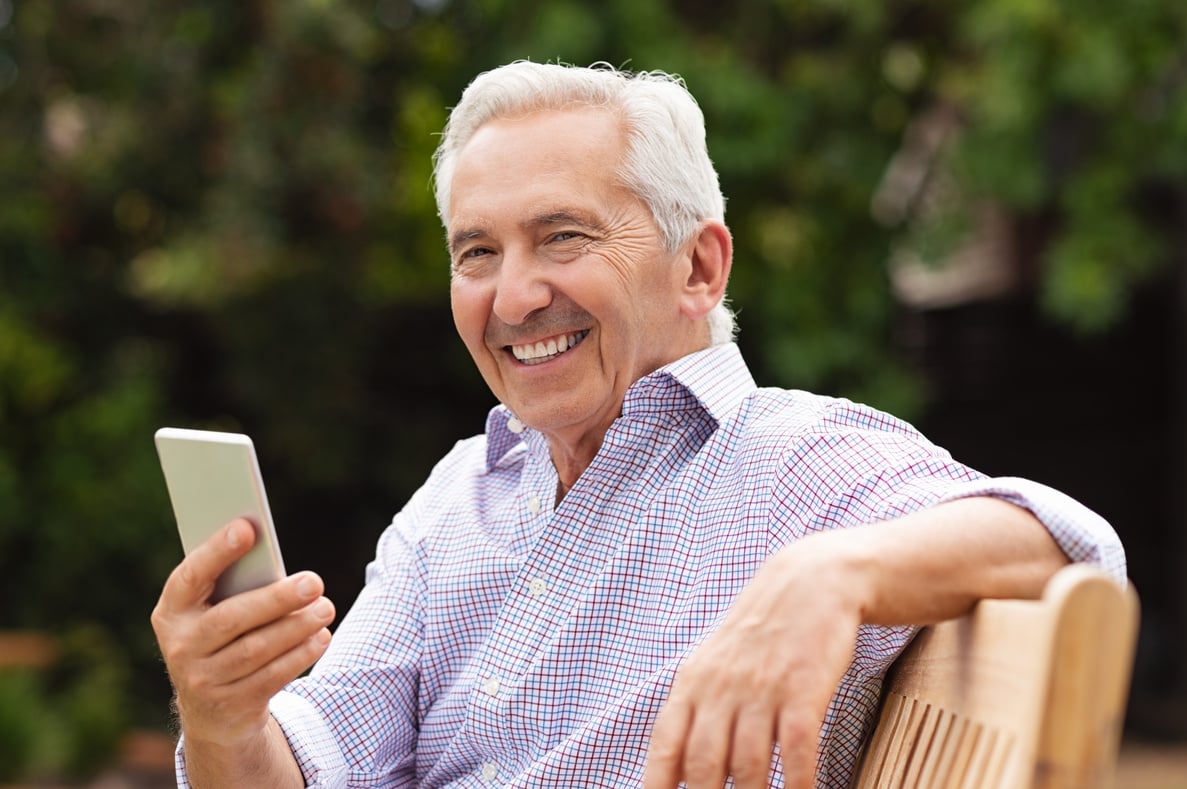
{"x":514,"y":425}
{"x":534,"y":504}
{"x":490,"y":771}
{"x":491,"y":686}
{"x":537,"y":587}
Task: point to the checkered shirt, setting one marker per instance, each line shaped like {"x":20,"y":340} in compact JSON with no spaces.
{"x":502,"y":642}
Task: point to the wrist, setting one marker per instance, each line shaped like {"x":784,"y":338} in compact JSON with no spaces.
{"x":221,"y":735}
{"x":261,"y":758}
{"x":844,"y":569}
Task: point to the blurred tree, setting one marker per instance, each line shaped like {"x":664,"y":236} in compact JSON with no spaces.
{"x":219,"y":215}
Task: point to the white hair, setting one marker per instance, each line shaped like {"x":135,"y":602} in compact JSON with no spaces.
{"x":666,"y":165}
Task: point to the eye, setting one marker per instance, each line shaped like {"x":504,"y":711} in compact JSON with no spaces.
{"x":567,"y":235}
{"x":471,"y":258}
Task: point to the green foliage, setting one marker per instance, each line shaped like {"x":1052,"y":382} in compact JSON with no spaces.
{"x":87,"y":703}
{"x":64,"y":722}
{"x":22,"y":723}
{"x":1076,"y":111}
{"x":220,"y":215}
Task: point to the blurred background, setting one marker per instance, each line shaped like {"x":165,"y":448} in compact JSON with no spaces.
{"x":219,"y":215}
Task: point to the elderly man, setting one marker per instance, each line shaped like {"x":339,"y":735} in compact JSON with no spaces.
{"x":647,"y":570}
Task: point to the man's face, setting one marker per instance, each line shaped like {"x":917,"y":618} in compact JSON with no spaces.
{"x":561,"y":288}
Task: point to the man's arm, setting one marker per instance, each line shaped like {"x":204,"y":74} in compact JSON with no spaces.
{"x":769,"y":672}
{"x":226,"y":661}
{"x":263,"y":762}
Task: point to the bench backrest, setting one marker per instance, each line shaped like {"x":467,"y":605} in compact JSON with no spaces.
{"x":1018,"y":694}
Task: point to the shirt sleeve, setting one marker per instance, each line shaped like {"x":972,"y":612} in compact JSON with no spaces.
{"x":862,"y":466}
{"x":317,"y":753}
{"x":353,"y":718}
{"x":356,"y":713}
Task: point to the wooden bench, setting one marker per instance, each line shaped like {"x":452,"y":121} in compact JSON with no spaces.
{"x":1018,"y":694}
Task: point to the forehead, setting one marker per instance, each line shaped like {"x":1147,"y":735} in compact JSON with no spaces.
{"x":538,"y":159}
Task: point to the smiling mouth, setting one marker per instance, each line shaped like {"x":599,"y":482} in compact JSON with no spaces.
{"x":545,"y":350}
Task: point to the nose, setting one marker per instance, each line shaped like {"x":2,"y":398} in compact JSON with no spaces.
{"x":522,"y":287}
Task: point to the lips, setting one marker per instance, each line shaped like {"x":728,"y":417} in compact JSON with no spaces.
{"x":544,"y":350}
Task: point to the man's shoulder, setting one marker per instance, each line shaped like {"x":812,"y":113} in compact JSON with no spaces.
{"x":784,"y":418}
{"x":783,"y":412}
{"x":461,"y":483}
{"x":475,"y":456}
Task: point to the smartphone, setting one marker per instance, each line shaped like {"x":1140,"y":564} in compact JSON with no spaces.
{"x":214,"y":478}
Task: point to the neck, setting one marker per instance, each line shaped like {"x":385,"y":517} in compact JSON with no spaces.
{"x":572,"y":452}
{"x":570,"y":466}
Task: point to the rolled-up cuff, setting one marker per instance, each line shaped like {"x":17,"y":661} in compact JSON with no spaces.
{"x":318,"y":756}
{"x":321,"y":761}
{"x":1081,"y":534}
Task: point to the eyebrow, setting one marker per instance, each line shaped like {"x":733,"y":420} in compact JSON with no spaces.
{"x":559,"y":217}
{"x":462,"y":236}
{"x":565,"y":217}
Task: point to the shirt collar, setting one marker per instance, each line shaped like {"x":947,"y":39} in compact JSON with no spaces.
{"x":717,"y":379}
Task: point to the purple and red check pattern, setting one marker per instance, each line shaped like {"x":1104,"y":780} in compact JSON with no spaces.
{"x":502,"y":642}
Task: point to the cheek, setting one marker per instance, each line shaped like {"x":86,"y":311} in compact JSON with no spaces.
{"x":470,"y":303}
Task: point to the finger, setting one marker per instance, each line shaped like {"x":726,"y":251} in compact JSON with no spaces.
{"x":242,"y":613}
{"x":255,"y":649}
{"x":799,"y":738}
{"x":192,"y":582}
{"x":753,"y":742}
{"x":270,"y":678}
{"x":665,"y":752}
{"x":224,"y":711}
{"x":707,"y":748}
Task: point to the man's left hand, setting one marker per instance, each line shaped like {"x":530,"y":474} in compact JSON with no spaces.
{"x":766,"y":675}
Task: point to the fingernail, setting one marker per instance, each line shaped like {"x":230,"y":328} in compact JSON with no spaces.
{"x":323,"y":609}
{"x":306,"y":587}
{"x":323,"y":636}
{"x":233,"y":536}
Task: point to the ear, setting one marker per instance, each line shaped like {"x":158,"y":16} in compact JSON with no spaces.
{"x":710,"y":257}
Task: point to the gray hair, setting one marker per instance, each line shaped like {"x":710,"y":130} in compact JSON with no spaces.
{"x":666,"y":165}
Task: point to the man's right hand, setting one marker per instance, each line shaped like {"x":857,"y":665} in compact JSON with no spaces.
{"x":227,"y":660}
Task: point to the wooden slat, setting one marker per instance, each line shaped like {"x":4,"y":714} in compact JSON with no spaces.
{"x":880,"y":746}
{"x":900,"y":755}
{"x":921,"y":745}
{"x":933,"y":772}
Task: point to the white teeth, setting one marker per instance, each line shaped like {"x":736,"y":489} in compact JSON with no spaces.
{"x":544,"y":350}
